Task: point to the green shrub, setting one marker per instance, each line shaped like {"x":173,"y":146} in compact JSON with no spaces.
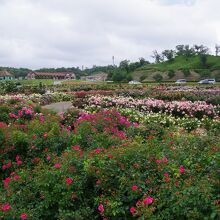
{"x":205,"y":73}
{"x":142,"y":78}
{"x":186,"y":72}
{"x":158,"y":77}
{"x":4,"y":113}
{"x":108,"y":167}
{"x":171,"y":74}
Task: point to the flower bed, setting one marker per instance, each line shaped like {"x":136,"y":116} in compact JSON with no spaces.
{"x":105,"y":165}
{"x":197,"y":109}
{"x":44,"y":99}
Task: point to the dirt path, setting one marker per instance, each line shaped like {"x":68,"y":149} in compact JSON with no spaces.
{"x":59,"y":106}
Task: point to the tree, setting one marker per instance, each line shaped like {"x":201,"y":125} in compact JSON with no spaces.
{"x":110,"y":75}
{"x":186,"y":72}
{"x":133,"y":66}
{"x":200,"y":49}
{"x":217,"y":49}
{"x":180,"y":50}
{"x":129,"y":77}
{"x":203,"y":60}
{"x":143,"y":61}
{"x":188,"y":52}
{"x":119,"y":76}
{"x":158,"y":58}
{"x":185,"y":50}
{"x":158,"y":77}
{"x":169,"y":54}
{"x":124,"y":65}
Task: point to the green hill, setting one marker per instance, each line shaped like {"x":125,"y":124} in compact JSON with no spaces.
{"x":190,"y":68}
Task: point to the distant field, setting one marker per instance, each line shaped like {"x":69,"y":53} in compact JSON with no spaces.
{"x":48,"y":82}
{"x":36,"y":82}
{"x":77,"y":82}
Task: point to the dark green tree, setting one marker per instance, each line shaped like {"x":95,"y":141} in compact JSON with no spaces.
{"x":200,"y":49}
{"x":203,"y":60}
{"x":119,"y":76}
{"x":169,"y":54}
{"x":157,"y":57}
{"x":180,"y":50}
{"x":129,"y":77}
{"x":143,"y":61}
{"x":124,"y":65}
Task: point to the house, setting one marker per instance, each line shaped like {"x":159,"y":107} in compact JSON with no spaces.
{"x":96,"y":77}
{"x":5,"y":75}
{"x":49,"y":75}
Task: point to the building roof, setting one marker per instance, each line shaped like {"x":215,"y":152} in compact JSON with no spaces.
{"x":5,"y":73}
{"x":52,"y":74}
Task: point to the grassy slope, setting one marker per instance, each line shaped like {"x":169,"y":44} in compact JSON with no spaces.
{"x":177,"y":65}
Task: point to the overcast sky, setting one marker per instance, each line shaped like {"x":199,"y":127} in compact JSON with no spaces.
{"x":56,"y":33}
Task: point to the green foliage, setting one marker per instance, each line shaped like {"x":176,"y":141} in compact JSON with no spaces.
{"x":4,"y":113}
{"x":158,"y":77}
{"x":203,"y":60}
{"x":43,"y":192}
{"x":124,"y":65}
{"x":106,"y":164}
{"x":142,"y":78}
{"x":17,"y":72}
{"x":8,"y":86}
{"x":169,"y":54}
{"x":129,"y":77}
{"x":186,"y":72}
{"x":179,"y":63}
{"x":171,"y":74}
{"x":205,"y":73}
{"x":119,"y":76}
{"x":217,"y":76}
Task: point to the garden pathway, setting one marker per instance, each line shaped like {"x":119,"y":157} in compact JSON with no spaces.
{"x":59,"y":106}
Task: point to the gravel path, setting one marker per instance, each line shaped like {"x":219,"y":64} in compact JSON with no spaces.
{"x":59,"y":106}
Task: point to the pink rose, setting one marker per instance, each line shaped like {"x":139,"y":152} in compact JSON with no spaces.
{"x":101,"y":208}
{"x":182,"y":169}
{"x":57,"y":165}
{"x":134,"y":187}
{"x":132,"y":210}
{"x":148,"y":200}
{"x":23,"y":216}
{"x":69,"y":181}
{"x":6,"y":207}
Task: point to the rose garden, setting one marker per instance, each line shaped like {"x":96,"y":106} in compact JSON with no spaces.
{"x":120,"y":152}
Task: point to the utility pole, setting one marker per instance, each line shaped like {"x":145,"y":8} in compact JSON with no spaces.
{"x":217,"y":49}
{"x":113,"y":60}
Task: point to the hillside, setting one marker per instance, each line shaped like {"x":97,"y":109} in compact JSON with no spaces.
{"x":190,"y":68}
{"x":180,"y":67}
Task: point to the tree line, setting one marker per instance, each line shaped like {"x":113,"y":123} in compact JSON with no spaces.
{"x":186,"y":51}
{"x":123,"y":71}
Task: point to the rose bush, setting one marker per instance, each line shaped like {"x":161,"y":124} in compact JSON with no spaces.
{"x":197,"y":109}
{"x":173,"y":178}
{"x":106,"y":165}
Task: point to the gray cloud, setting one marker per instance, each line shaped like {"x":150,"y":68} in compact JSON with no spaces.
{"x":55,"y":33}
